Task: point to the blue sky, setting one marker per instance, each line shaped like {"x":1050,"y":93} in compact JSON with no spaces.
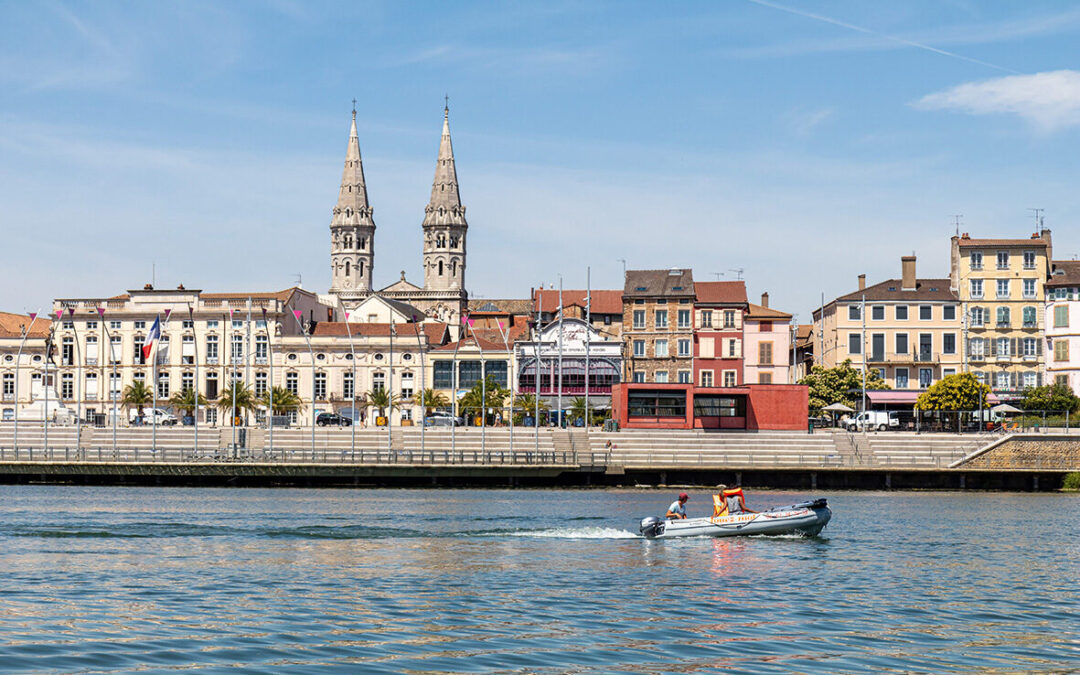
{"x":802,"y":142}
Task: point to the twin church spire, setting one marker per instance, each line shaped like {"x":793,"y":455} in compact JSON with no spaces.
{"x":352,"y":228}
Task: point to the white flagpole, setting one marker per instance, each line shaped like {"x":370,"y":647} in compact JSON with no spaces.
{"x":18,"y":361}
{"x":195,"y":344}
{"x":560,"y":351}
{"x":588,"y":343}
{"x":78,"y":388}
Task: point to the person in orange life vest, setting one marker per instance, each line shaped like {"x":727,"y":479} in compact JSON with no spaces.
{"x":677,"y":510}
{"x":729,"y":502}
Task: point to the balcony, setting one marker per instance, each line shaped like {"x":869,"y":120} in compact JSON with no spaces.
{"x":9,"y":396}
{"x":912,"y":357}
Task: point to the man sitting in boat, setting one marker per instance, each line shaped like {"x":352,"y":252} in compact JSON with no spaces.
{"x":677,"y":510}
{"x":729,"y":502}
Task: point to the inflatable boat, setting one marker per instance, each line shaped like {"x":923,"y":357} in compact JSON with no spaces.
{"x":806,"y":518}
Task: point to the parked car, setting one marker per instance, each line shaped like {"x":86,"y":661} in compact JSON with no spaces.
{"x":163,"y":417}
{"x":328,"y":419}
{"x":439,"y":418}
{"x":873,"y":419}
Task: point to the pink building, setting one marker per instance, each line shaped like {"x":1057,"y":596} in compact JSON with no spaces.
{"x":1062,"y":319}
{"x":767,"y":344}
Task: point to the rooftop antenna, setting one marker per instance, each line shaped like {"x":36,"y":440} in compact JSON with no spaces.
{"x":717,"y":275}
{"x":956,"y":221}
{"x":1038,"y":219}
{"x":623,"y":261}
{"x":738,"y":271}
{"x":299,"y":280}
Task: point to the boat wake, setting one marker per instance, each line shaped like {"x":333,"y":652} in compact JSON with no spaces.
{"x":577,"y":533}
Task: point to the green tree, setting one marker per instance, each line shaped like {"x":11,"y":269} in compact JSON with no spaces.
{"x":527,"y":403}
{"x":840,"y":384}
{"x":577,"y":408}
{"x":484,"y":393}
{"x":954,"y":392}
{"x":187,"y":400}
{"x":284,"y":401}
{"x":138,"y":395}
{"x":381,"y":400}
{"x":1057,"y":396}
{"x":430,"y":398}
{"x":244,"y":399}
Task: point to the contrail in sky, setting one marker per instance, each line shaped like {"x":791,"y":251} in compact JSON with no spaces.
{"x":860,"y":29}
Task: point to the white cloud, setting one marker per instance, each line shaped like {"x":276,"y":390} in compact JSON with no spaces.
{"x":1049,"y":101}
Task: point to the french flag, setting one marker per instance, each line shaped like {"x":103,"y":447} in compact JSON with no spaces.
{"x":151,"y":338}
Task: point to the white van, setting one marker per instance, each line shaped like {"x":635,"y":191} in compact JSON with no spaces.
{"x":873,"y":419}
{"x":163,"y":417}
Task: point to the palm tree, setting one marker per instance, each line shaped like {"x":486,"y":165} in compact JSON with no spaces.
{"x":284,"y":401}
{"x":381,"y":399}
{"x":526,"y":404}
{"x":187,"y":400}
{"x":244,"y":401}
{"x":577,"y":408}
{"x":138,"y":395}
{"x":430,"y":398}
{"x":487,"y":393}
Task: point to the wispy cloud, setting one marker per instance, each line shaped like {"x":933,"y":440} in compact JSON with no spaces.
{"x":877,"y":34}
{"x":802,"y":121}
{"x":1049,"y":101}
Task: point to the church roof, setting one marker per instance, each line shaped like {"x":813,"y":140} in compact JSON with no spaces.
{"x":445,"y":206}
{"x":352,"y":206}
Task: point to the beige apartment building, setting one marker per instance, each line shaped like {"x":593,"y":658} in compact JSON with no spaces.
{"x":909,"y":330}
{"x":1000,"y":285}
{"x":658,"y":326}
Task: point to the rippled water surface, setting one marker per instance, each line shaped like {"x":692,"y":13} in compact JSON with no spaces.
{"x":280,"y":580}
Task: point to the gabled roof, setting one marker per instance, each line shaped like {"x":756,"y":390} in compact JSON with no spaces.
{"x":401,"y":285}
{"x":600,"y":301}
{"x":436,"y":333}
{"x":1065,"y":273}
{"x":474,"y":342}
{"x":759,"y":312}
{"x":933,"y":290}
{"x":1034,"y":240}
{"x":283,"y":295}
{"x":10,"y":325}
{"x":668,"y":283}
{"x":720,"y":292}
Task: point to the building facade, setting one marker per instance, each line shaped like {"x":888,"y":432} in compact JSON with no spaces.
{"x":1062,"y":324}
{"x":767,"y":339}
{"x":572,"y":358}
{"x":1000,"y":285}
{"x":719,"y":310}
{"x":909,"y":330}
{"x":658,"y":326}
{"x":23,"y":343}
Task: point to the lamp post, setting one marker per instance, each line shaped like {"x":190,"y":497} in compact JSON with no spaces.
{"x":423,"y":409}
{"x":454,"y":398}
{"x":311,"y":354}
{"x":112,"y":376}
{"x":48,"y":357}
{"x":352,"y":405}
{"x":18,"y":361}
{"x":513,"y":382}
{"x":483,"y":387}
{"x":270,"y":389}
{"x":78,"y":377}
{"x":195,"y":358}
{"x":390,"y":391}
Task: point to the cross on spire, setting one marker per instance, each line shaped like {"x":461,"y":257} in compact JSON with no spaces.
{"x":354,"y":108}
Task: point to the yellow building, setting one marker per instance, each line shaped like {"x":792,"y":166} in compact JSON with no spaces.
{"x":1000,"y":286}
{"x":909,"y":330}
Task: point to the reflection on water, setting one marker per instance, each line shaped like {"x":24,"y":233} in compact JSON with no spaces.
{"x":119,"y":579}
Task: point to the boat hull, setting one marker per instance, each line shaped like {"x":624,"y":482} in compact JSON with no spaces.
{"x":807,"y":519}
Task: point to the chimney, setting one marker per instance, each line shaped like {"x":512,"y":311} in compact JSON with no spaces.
{"x":907,"y":264}
{"x":862,"y":282}
{"x":765,"y":299}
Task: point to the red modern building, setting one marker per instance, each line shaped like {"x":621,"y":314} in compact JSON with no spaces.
{"x":718,"y":333}
{"x":686,"y":406}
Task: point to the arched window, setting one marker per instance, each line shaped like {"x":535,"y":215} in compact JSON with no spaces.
{"x":346,"y":268}
{"x":360,"y":269}
{"x":440,"y":268}
{"x":453,"y":268}
{"x":363,"y":243}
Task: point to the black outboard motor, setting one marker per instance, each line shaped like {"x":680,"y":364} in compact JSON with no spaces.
{"x":652,"y":526}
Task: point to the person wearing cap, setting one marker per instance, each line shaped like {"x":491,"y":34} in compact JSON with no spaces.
{"x":677,"y":510}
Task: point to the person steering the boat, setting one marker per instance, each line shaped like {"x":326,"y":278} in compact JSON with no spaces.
{"x":677,"y":510}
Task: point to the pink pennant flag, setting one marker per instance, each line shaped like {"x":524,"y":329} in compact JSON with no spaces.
{"x":71,"y":311}
{"x":500,"y":325}
{"x":470,"y":321}
{"x":297,"y":314}
{"x":101,"y":312}
{"x":33,"y":316}
{"x":59,"y":314}
{"x":346,"y":316}
{"x":167,"y":313}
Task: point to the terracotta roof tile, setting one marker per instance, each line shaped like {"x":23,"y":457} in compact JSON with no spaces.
{"x":1033,"y":241}
{"x":10,"y":325}
{"x":720,"y":291}
{"x":435,"y":332}
{"x":1066,"y":273}
{"x":925,"y":289}
{"x":600,"y":301}
{"x":759,"y":312}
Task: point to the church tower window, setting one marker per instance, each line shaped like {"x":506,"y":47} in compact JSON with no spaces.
{"x":440,"y":268}
{"x":346,"y":268}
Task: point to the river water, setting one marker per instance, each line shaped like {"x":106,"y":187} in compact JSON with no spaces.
{"x":115,"y":579}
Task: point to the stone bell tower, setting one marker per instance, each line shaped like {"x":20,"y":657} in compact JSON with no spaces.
{"x":352,"y":228}
{"x":444,"y":223}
